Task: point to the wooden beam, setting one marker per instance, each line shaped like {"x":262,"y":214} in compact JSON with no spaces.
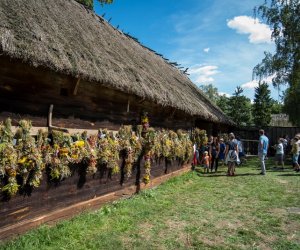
{"x":141,"y":101}
{"x":173,"y":113}
{"x":76,"y":86}
{"x":128,"y":106}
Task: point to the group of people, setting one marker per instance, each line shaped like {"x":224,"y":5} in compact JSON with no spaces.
{"x":284,"y":147}
{"x":209,"y":154}
{"x":232,"y":152}
{"x":216,"y":151}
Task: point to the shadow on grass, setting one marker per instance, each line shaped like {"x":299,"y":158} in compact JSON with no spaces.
{"x":291,"y":174}
{"x":222,"y":175}
{"x":280,"y":170}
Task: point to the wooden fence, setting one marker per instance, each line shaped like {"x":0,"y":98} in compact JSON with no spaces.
{"x":249,"y":136}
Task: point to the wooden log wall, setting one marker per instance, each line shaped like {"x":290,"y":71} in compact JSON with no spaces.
{"x":51,"y":197}
{"x":27,"y":92}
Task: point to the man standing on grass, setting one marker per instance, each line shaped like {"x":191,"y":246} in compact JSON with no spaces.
{"x":263,"y":145}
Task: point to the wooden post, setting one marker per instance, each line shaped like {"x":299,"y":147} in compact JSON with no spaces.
{"x":49,"y":122}
{"x":50,"y":127}
{"x":128,"y":105}
{"x":76,"y":86}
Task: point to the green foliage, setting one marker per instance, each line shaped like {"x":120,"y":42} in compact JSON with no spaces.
{"x":210,"y":91}
{"x":262,"y":105}
{"x":277,"y":107}
{"x":88,"y":3}
{"x":284,"y":64}
{"x":240,"y":108}
{"x":223,"y":103}
{"x":292,"y":103}
{"x":105,"y":1}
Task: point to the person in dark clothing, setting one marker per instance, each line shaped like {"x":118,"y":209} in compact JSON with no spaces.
{"x":215,"y":150}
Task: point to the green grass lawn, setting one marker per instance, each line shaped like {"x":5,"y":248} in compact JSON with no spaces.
{"x":193,"y":211}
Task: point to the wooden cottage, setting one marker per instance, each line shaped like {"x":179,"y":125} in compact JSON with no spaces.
{"x":57,"y":52}
{"x":60,"y":53}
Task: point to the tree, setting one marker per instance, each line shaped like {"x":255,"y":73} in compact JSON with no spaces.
{"x":240,"y":108}
{"x":90,"y":3}
{"x":262,"y":105}
{"x":284,"y":64}
{"x":210,"y":91}
{"x":223,"y":103}
{"x":276,"y":107}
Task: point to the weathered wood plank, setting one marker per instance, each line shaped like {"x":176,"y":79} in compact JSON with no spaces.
{"x":17,"y":228}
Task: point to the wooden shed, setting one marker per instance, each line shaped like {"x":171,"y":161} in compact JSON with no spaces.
{"x":57,"y":52}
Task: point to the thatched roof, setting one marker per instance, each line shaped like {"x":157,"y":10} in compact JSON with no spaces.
{"x":66,"y":37}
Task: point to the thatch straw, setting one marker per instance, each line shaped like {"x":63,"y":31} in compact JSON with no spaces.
{"x":66,"y":37}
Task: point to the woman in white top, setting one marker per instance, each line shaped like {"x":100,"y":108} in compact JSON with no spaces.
{"x":279,"y":153}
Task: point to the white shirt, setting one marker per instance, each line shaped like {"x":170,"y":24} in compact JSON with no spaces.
{"x":279,"y":149}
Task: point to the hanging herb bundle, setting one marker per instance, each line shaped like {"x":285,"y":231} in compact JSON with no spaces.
{"x":108,"y":154}
{"x":186,"y":144}
{"x":8,"y":169}
{"x":8,"y":160}
{"x":167,"y":146}
{"x":149,"y":137}
{"x":129,"y":161}
{"x":199,"y":137}
{"x":59,"y":156}
{"x":145,"y":121}
{"x":176,"y":149}
{"x":131,"y":145}
{"x":157,"y":147}
{"x":139,"y":130}
{"x":178,"y":143}
{"x":91,"y":155}
{"x":43,"y":142}
{"x":124,"y":135}
{"x":114,"y":159}
{"x":77,"y":152}
{"x":30,"y":163}
{"x":6,"y":134}
{"x":136,"y":146}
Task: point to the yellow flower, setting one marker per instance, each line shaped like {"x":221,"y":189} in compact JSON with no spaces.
{"x":64,"y":151}
{"x":79,"y":143}
{"x":145,"y":120}
{"x":22,"y":160}
{"x":74,"y":156}
{"x":146,"y":179}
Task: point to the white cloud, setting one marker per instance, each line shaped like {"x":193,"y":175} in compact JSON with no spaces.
{"x":203,"y":74}
{"x":259,"y":32}
{"x":206,"y":50}
{"x":250,"y":85}
{"x":224,"y":93}
{"x":254,"y":83}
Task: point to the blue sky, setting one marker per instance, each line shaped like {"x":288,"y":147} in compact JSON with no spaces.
{"x":218,"y":40}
